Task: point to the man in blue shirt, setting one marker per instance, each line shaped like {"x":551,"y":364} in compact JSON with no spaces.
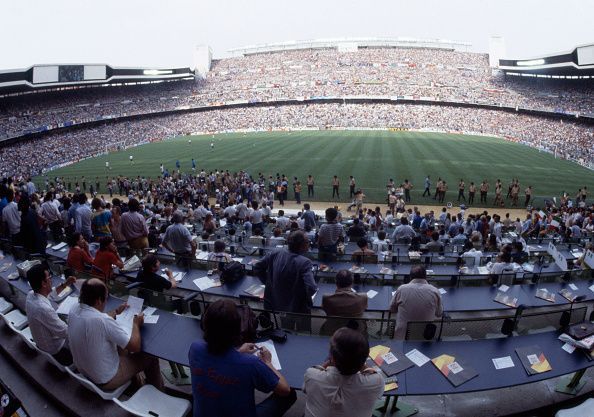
{"x":224,"y":378}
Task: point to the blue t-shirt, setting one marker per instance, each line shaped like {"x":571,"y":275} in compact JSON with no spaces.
{"x":223,"y":385}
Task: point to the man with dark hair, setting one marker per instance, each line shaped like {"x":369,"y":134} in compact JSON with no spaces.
{"x":435,"y":244}
{"x":149,"y":275}
{"x":50,"y":334}
{"x":134,"y":227}
{"x":308,"y":216}
{"x":344,"y":302}
{"x":356,"y":231}
{"x":177,"y":238}
{"x":415,"y":301}
{"x":335,"y":186}
{"x":95,"y":338}
{"x":225,"y":373}
{"x":288,"y":276}
{"x":330,"y":234}
{"x":343,"y":385}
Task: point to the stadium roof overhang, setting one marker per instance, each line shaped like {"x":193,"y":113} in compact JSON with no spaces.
{"x":351,"y":43}
{"x":575,"y":64}
{"x":58,"y":76}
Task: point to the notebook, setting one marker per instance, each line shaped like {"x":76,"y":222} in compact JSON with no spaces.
{"x":533,"y":359}
{"x":455,"y":370}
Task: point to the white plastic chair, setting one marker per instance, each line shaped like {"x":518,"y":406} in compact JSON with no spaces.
{"x":5,"y":306}
{"x":585,"y":409}
{"x":15,"y":320}
{"x":106,"y":395}
{"x":148,"y":401}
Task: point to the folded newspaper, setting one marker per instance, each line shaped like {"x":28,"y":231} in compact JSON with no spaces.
{"x":586,"y":343}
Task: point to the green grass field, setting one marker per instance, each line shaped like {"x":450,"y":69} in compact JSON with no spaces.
{"x":372,"y":157}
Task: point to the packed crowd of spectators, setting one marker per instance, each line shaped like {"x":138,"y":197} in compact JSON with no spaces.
{"x":568,"y":140}
{"x":412,"y":73}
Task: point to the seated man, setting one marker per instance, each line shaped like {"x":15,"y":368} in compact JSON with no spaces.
{"x":149,"y":275}
{"x":344,"y":302}
{"x":218,"y":256}
{"x":518,"y":254}
{"x":221,"y":358}
{"x":276,"y":238}
{"x":416,"y":301}
{"x":435,"y":245}
{"x":95,"y":338}
{"x":343,"y":385}
{"x":403,"y":232}
{"x":49,"y":332}
{"x":364,"y":254}
{"x":177,"y":238}
{"x":356,"y":231}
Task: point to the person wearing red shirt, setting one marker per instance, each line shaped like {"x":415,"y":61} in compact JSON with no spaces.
{"x":106,"y":256}
{"x":79,"y":256}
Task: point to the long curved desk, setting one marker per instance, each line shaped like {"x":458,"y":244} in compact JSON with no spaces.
{"x":171,"y":337}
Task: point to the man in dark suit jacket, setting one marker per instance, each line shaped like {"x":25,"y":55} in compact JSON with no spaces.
{"x":345,"y":302}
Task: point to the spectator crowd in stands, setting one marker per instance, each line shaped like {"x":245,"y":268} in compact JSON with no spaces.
{"x":569,"y":140}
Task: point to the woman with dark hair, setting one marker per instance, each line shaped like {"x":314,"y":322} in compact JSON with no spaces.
{"x":106,"y":256}
{"x":343,"y":385}
{"x":225,"y":373}
{"x":78,"y":256}
{"x":33,"y":234}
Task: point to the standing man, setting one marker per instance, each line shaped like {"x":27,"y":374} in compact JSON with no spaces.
{"x":335,"y":185}
{"x":351,"y":187}
{"x":427,"y":191}
{"x":471,"y":193}
{"x":310,"y":186}
{"x":289,"y":279}
{"x":407,"y":187}
{"x":484,"y":189}
{"x":437,"y":188}
{"x":308,"y":216}
{"x":528,"y":193}
{"x":330,"y":234}
{"x":416,"y":301}
{"x":461,"y":186}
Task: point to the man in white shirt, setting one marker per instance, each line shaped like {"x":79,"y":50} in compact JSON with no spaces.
{"x":49,"y":332}
{"x":282,"y":222}
{"x":415,"y":301}
{"x":177,"y":238}
{"x":11,"y":215}
{"x":343,"y":386}
{"x":95,"y":338}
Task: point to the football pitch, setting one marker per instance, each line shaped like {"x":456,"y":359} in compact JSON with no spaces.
{"x":372,"y":157}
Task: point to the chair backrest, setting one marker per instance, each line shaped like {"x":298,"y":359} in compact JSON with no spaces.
{"x":106,"y":395}
{"x":15,"y":320}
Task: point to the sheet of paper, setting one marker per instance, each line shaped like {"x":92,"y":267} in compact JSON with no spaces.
{"x":417,"y":357}
{"x":503,"y":362}
{"x":442,"y":291}
{"x":573,"y":287}
{"x":126,"y":318}
{"x":503,"y":288}
{"x":533,"y":359}
{"x":204,"y":283}
{"x":240,"y":260}
{"x":389,"y":358}
{"x":66,"y":305}
{"x":393,"y":292}
{"x":568,"y":348}
{"x":591,"y":287}
{"x":151,"y":319}
{"x":455,"y":367}
{"x":149,"y":311}
{"x":314,"y":296}
{"x":59,"y":246}
{"x":269,"y":344}
{"x":371,"y":293}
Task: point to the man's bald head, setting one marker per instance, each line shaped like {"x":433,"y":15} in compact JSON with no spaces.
{"x":93,"y":291}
